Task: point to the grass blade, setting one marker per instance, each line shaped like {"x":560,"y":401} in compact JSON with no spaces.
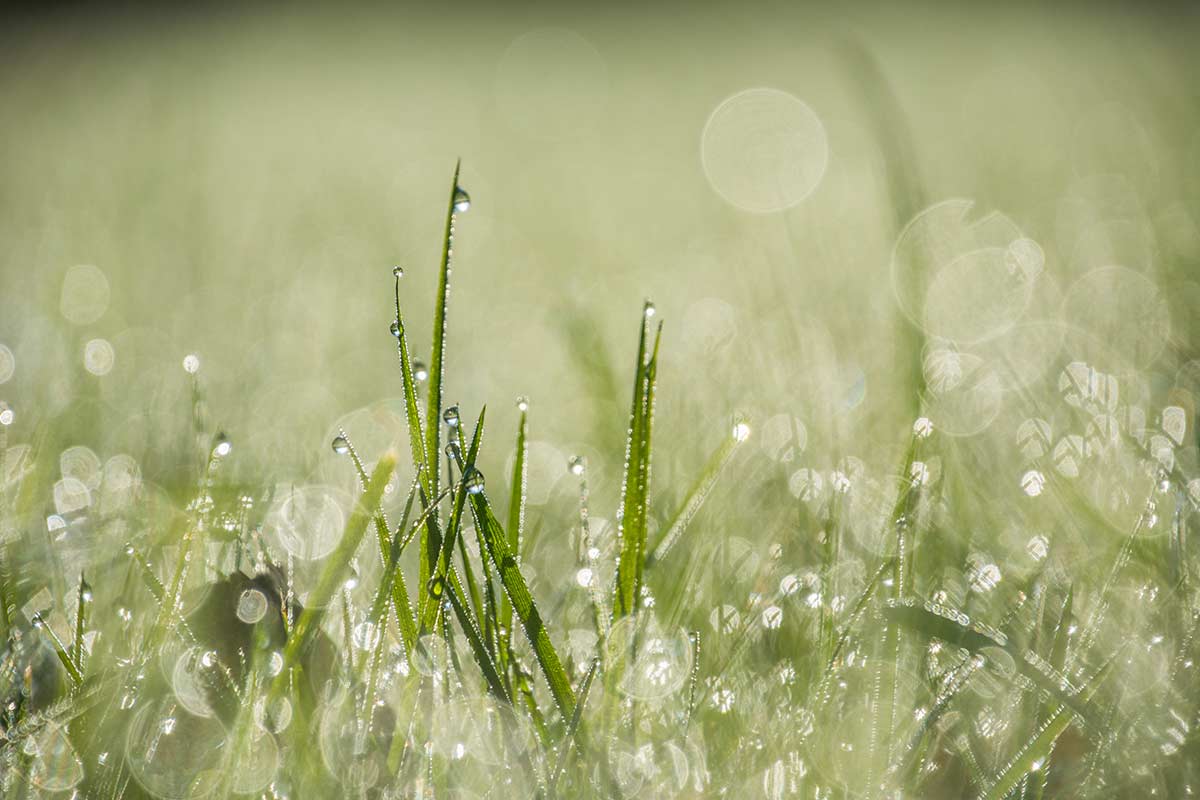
{"x":486,"y":665}
{"x":564,"y":748}
{"x":437,"y":373}
{"x":1037,"y":749}
{"x":336,"y":565}
{"x":635,"y":490}
{"x":522,"y":602}
{"x":393,"y":577}
{"x":696,"y":497}
{"x":516,"y":510}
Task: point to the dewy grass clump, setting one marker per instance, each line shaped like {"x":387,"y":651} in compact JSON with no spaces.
{"x":261,"y":642}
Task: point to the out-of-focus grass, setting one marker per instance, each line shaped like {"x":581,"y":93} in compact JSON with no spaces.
{"x":874,"y":557}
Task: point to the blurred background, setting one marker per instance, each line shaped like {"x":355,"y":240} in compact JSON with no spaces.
{"x":237,"y":184}
{"x":862,"y":226}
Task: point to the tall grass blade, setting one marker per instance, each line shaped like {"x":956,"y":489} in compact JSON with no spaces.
{"x":635,"y":490}
{"x":516,"y":510}
{"x":437,"y":373}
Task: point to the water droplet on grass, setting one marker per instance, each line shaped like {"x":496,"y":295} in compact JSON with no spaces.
{"x":577,"y":465}
{"x":395,"y":328}
{"x":1033,"y":482}
{"x":397,"y":271}
{"x":191,"y":363}
{"x":772,"y":617}
{"x":450,"y":416}
{"x":222,"y":446}
{"x":340,"y":445}
{"x":474,"y":481}
{"x":462,"y":200}
{"x":252,"y":606}
{"x":420,"y":371}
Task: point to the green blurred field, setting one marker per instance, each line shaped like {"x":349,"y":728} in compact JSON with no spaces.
{"x":1002,"y":236}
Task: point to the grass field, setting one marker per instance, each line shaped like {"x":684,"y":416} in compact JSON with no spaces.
{"x":769,"y":403}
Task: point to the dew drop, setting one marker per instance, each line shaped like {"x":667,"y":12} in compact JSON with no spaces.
{"x":522,"y":403}
{"x":649,"y":309}
{"x":741,"y":432}
{"x":452,"y":451}
{"x":252,"y":606}
{"x":772,"y":617}
{"x":340,"y":445}
{"x":397,"y":271}
{"x":6,"y":414}
{"x":474,"y":481}
{"x":222,"y":445}
{"x":462,"y":200}
{"x":85,"y":590}
{"x":191,"y":363}
{"x":584,"y":577}
{"x":450,"y":416}
{"x":420,"y":371}
{"x":577,"y":465}
{"x":1038,"y":547}
{"x":395,"y":328}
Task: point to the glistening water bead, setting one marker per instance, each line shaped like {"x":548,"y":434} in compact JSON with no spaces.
{"x":474,"y":481}
{"x":450,"y":416}
{"x":462,"y":200}
{"x":420,"y":371}
{"x":340,"y":445}
{"x":222,"y":446}
{"x":397,"y":272}
{"x":395,"y":328}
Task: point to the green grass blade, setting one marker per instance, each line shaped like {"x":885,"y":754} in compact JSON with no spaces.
{"x":487,"y":666}
{"x":437,"y":367}
{"x":565,"y":747}
{"x":1037,"y":749}
{"x":60,"y":649}
{"x":393,"y":578}
{"x":337,"y":564}
{"x":522,"y":602}
{"x":635,"y":490}
{"x":516,"y":509}
{"x":81,"y":615}
{"x":695,"y":498}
